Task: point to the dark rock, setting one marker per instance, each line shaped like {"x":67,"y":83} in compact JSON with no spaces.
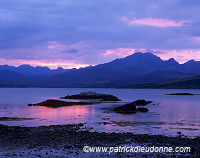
{"x":141,"y":102}
{"x":14,"y":119}
{"x":126,"y":109}
{"x":80,"y":124}
{"x":92,"y":95}
{"x":142,"y":110}
{"x":178,"y":132}
{"x":131,"y":107}
{"x":180,"y":94}
{"x":67,"y":146}
{"x":3,"y":126}
{"x":58,"y":103}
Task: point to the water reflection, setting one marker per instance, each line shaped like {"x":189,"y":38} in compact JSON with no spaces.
{"x":167,"y":114}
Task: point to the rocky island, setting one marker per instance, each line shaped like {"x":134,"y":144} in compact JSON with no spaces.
{"x":141,"y":102}
{"x":131,"y":107}
{"x":181,"y":94}
{"x":59,"y":103}
{"x":92,"y":95}
{"x":83,"y":95}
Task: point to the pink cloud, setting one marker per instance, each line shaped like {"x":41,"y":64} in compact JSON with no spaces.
{"x":155,"y":22}
{"x":124,"y":18}
{"x":196,"y":38}
{"x":53,"y":64}
{"x":51,"y":54}
{"x":123,"y":52}
{"x":53,"y":44}
{"x":154,"y":6}
{"x":180,"y":55}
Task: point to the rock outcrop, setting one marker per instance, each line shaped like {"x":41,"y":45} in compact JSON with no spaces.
{"x":180,"y":94}
{"x":92,"y":95}
{"x":132,"y":107}
{"x":126,"y":109}
{"x":141,"y":102}
{"x":58,"y":103}
{"x":142,"y":110}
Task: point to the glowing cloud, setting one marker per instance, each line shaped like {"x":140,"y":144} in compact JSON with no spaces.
{"x":181,"y":55}
{"x":154,"y":6}
{"x":196,"y":38}
{"x":155,"y":22}
{"x":52,"y":44}
{"x":67,"y":64}
{"x":122,"y":52}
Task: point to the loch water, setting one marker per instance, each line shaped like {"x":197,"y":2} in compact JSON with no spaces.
{"x":168,"y":114}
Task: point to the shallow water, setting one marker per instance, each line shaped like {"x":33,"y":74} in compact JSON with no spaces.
{"x":167,"y":114}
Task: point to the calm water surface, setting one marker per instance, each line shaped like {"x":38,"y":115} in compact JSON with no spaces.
{"x":167,"y":114}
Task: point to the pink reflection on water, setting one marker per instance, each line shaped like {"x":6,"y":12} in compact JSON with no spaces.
{"x":61,"y":112}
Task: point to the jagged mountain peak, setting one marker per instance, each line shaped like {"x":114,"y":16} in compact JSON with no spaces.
{"x":192,"y":61}
{"x":172,"y":59}
{"x":29,"y":70}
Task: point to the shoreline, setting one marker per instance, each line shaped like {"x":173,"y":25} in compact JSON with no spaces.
{"x":69,"y":140}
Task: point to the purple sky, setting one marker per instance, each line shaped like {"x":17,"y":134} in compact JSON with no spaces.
{"x":75,"y":33}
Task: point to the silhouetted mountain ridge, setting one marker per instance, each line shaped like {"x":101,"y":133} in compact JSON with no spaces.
{"x":28,"y":70}
{"x":104,"y":75}
{"x":7,"y":74}
{"x":133,"y":69}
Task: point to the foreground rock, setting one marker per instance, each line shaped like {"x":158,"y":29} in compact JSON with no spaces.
{"x":131,"y":107}
{"x":14,"y":119}
{"x":180,"y":94}
{"x":126,"y":109}
{"x":68,"y":141}
{"x":141,"y":102}
{"x":92,"y":95}
{"x":58,"y":103}
{"x":142,"y":110}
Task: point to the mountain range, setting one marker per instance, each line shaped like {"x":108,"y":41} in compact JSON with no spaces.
{"x":138,"y":68}
{"x":28,"y":70}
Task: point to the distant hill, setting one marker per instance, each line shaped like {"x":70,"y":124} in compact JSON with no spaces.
{"x":191,"y":66}
{"x":151,"y":77}
{"x":28,"y":70}
{"x":186,"y":83}
{"x":13,"y":79}
{"x":7,"y":74}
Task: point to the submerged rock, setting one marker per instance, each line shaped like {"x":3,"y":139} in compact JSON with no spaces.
{"x":142,"y":110}
{"x":92,"y":95}
{"x":58,"y":103}
{"x":141,"y":102}
{"x":131,"y":107}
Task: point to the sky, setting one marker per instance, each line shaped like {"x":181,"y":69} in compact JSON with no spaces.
{"x":78,"y":33}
